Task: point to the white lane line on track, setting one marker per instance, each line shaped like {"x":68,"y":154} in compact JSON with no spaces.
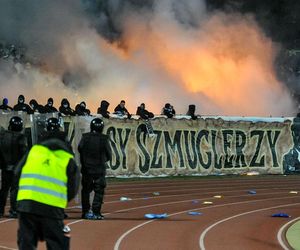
{"x":3,"y":221}
{"x":204,"y":233}
{"x":162,"y":204}
{"x":190,"y":194}
{"x":194,"y":189}
{"x":199,"y":187}
{"x":198,"y":181}
{"x":121,"y":238}
{"x":4,"y":247}
{"x":169,"y":203}
{"x":280,"y":234}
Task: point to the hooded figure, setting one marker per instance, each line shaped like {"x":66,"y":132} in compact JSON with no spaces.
{"x":49,"y":108}
{"x":36,"y":107}
{"x":81,"y":109}
{"x":5,"y":106}
{"x":102,"y":110}
{"x":191,"y":111}
{"x":65,"y":108}
{"x":143,"y":113}
{"x":22,"y":106}
{"x":168,"y":110}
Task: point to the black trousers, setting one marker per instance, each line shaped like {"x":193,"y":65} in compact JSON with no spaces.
{"x":7,"y":178}
{"x":33,"y":228}
{"x":96,"y":183}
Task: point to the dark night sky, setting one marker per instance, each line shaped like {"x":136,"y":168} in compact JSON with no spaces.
{"x":280,"y":19}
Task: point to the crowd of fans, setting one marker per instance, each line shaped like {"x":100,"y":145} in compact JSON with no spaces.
{"x":81,"y":109}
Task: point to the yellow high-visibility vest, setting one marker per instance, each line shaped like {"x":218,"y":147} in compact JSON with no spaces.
{"x":44,"y":177}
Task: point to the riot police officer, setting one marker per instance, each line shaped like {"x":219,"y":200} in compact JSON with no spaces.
{"x":95,"y":152}
{"x":47,"y":179}
{"x":13,"y":145}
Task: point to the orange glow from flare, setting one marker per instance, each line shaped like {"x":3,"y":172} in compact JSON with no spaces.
{"x":229,"y":61}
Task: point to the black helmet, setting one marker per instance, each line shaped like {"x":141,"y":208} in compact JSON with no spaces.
{"x":15,"y":124}
{"x":52,"y":124}
{"x":97,"y":125}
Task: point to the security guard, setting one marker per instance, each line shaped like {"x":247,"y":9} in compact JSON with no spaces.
{"x":47,"y":179}
{"x":95,"y":152}
{"x":13,"y":145}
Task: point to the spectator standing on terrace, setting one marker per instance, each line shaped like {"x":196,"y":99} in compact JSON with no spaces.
{"x":22,"y":106}
{"x":49,"y":108}
{"x":47,"y":179}
{"x":191,"y":111}
{"x":13,"y":145}
{"x":121,"y":110}
{"x":143,"y":113}
{"x":103,"y":109}
{"x":168,"y":110}
{"x":37,"y":108}
{"x":81,"y":109}
{"x":95,"y":152}
{"x":5,"y":106}
{"x":65,"y":108}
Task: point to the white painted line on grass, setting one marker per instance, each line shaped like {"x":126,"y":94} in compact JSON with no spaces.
{"x":280,"y":234}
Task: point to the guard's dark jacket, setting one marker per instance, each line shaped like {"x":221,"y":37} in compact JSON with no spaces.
{"x":95,"y":152}
{"x":37,"y":208}
{"x":13,"y":146}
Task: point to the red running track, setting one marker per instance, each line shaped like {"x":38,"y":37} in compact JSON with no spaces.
{"x":238,"y":220}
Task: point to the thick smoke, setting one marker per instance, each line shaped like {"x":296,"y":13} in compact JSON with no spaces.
{"x":142,"y":51}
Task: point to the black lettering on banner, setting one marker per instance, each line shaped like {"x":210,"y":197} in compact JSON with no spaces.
{"x":154,"y":163}
{"x":123,"y":144}
{"x":273,"y":145}
{"x":254,"y":162}
{"x":218,"y":161}
{"x":192,"y":162}
{"x":228,"y":163}
{"x":240,"y":142}
{"x":175,"y":146}
{"x":111,"y":132}
{"x":146,"y":156}
{"x":203,"y":133}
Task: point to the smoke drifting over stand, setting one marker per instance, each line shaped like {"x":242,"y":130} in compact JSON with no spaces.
{"x":153,"y":52}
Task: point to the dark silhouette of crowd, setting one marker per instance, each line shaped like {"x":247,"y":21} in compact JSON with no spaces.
{"x":81,"y":109}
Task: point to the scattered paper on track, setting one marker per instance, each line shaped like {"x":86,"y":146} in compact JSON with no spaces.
{"x":156,"y":193}
{"x":218,"y":196}
{"x":252,"y":173}
{"x":207,"y":202}
{"x":125,"y":199}
{"x":293,"y":192}
{"x":194,"y":213}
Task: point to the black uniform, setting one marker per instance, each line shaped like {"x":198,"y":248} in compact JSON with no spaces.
{"x":13,"y":146}
{"x":94,"y":152}
{"x":102,"y":110}
{"x":22,"y":106}
{"x":38,"y":221}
